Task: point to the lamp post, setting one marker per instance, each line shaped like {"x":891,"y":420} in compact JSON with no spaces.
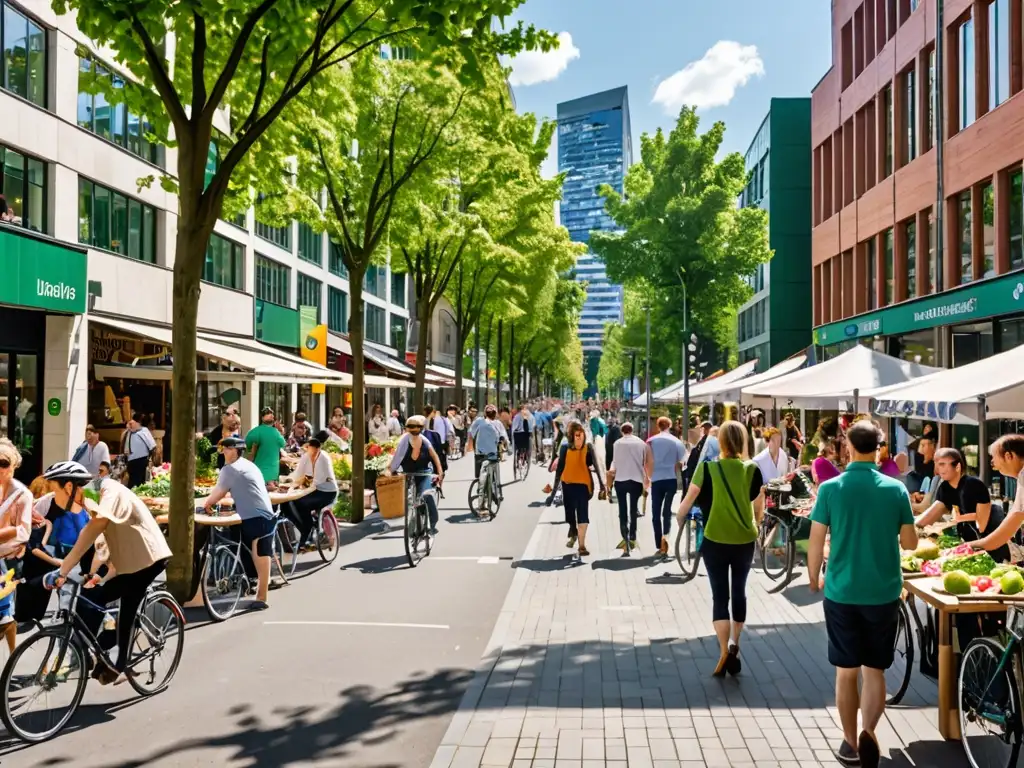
{"x":647,"y":370}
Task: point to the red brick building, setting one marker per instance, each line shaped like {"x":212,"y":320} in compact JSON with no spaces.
{"x":880,"y":175}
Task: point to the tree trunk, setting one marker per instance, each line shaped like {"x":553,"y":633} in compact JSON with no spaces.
{"x":476,"y":363}
{"x":512,"y":366}
{"x":497,"y":372}
{"x":423,"y":309}
{"x":355,"y":337}
{"x":487,"y":363}
{"x":460,"y":343}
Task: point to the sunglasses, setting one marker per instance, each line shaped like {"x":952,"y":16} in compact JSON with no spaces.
{"x":5,"y":463}
{"x":411,"y":427}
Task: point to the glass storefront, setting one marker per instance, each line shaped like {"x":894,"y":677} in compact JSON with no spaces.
{"x":278,"y":397}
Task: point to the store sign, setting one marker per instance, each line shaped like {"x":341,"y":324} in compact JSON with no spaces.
{"x":991,"y":298}
{"x":275,"y":324}
{"x":42,"y":274}
{"x":917,"y":409}
{"x":313,"y":336}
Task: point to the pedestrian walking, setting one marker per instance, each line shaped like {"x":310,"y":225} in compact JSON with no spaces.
{"x":869,"y":518}
{"x":575,"y":462}
{"x":629,"y":475}
{"x":664,"y":456}
{"x":731,"y":495}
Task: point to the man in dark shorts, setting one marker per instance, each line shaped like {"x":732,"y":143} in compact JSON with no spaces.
{"x":869,"y":517}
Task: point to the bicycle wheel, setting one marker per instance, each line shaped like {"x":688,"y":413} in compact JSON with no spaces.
{"x":289,"y":549}
{"x":897,"y":677}
{"x":157,"y":642}
{"x":414,"y":551}
{"x":687,"y":554}
{"x":988,"y":702}
{"x":517,"y":469}
{"x":474,"y":496}
{"x":327,"y":536}
{"x":39,"y":694}
{"x":775,"y":545}
{"x":224,"y":582}
{"x":526,"y":466}
{"x":277,"y":556}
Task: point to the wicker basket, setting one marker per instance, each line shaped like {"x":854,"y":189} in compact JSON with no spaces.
{"x":391,"y":496}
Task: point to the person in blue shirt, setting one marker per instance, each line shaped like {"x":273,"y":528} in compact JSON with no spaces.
{"x":487,"y":433}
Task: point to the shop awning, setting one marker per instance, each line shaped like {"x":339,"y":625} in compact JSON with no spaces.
{"x":858,"y":370}
{"x":956,"y":395}
{"x":388,"y":363}
{"x":726,"y":388}
{"x":706,"y":390}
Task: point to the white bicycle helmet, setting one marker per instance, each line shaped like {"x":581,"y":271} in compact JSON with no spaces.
{"x":68,"y":471}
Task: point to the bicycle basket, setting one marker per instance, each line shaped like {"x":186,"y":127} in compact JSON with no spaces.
{"x":391,"y":496}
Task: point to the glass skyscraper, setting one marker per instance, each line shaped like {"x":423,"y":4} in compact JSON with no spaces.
{"x":594,"y":148}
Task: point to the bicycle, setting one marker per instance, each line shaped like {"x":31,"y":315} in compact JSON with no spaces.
{"x":521,"y":465}
{"x":689,"y":537}
{"x":325,"y":536}
{"x":776,"y":544}
{"x":988,"y":697}
{"x":417,"y":520}
{"x":64,"y":651}
{"x":483,"y":495}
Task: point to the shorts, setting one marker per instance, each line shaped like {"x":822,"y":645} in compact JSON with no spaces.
{"x":259,"y":528}
{"x":861,"y":635}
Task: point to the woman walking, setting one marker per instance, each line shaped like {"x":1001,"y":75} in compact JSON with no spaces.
{"x":576,"y":460}
{"x":730,"y":493}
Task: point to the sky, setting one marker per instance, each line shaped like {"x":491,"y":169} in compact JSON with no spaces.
{"x":727,"y":57}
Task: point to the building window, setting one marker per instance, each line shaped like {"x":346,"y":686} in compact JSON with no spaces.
{"x":872,"y":276}
{"x":988,"y":228}
{"x":114,"y":222}
{"x":224,"y":262}
{"x":887,"y":106}
{"x":932,"y":262}
{"x":398,"y":333}
{"x":888,"y":267}
{"x":309,"y":245}
{"x":374,"y":282}
{"x":272,"y":281}
{"x":398,"y":289}
{"x":998,"y":52}
{"x":929,"y":133}
{"x":911,"y":242}
{"x":967,"y":114}
{"x":336,"y":262}
{"x":1017,"y":220}
{"x":112,"y":122}
{"x":966,"y":265}
{"x":309,"y":293}
{"x":277,"y":397}
{"x":375,"y":319}
{"x":337,"y":310}
{"x":23,"y":184}
{"x":23,"y":66}
{"x":910,"y":115}
{"x":281,"y":236}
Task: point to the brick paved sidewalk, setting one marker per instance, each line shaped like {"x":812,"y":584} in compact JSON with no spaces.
{"x":607,"y":663}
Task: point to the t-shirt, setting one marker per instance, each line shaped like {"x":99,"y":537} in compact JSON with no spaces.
{"x":133,"y":540}
{"x":269,"y":442}
{"x":1018,"y":499}
{"x":667,"y":452}
{"x":244,"y":481}
{"x":968,"y":494}
{"x":792,"y":433}
{"x":825,"y":469}
{"x":724,"y":523}
{"x":322,"y":472}
{"x":864,"y":510}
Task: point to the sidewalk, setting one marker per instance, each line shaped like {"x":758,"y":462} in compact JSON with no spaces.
{"x":608,"y":662}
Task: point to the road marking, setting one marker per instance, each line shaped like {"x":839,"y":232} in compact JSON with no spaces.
{"x":485,"y":560}
{"x":354,"y":624}
{"x":621,"y":608}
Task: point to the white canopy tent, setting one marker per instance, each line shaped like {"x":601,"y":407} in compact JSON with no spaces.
{"x":728,"y":391}
{"x":992,"y":387}
{"x":846,"y":377}
{"x":704,"y":391}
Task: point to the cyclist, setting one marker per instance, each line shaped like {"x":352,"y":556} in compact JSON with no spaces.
{"x":317,"y":469}
{"x":415,"y":454}
{"x":488,"y":433}
{"x":137,"y":553}
{"x":244,"y":481}
{"x":522,"y":427}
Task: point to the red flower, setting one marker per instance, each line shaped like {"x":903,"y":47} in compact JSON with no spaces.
{"x":374,"y":450}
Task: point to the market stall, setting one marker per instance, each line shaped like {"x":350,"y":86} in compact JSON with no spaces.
{"x":726,"y":388}
{"x":674,"y":394}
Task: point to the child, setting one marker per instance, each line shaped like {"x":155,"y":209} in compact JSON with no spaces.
{"x":32,"y":599}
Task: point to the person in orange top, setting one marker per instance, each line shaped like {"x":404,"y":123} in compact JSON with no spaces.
{"x":576,"y":460}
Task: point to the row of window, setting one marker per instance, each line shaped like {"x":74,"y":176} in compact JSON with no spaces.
{"x":112,"y":122}
{"x":110,"y":220}
{"x":753,"y":321}
{"x":23,"y":59}
{"x":997,"y":20}
{"x":873,"y":24}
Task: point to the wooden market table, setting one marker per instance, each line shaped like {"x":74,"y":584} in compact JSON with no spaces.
{"x":947,"y":606}
{"x":276,"y":498}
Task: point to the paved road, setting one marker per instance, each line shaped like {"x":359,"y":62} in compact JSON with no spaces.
{"x":252,"y":692}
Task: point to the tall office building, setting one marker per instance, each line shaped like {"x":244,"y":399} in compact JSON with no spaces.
{"x":594,"y":148}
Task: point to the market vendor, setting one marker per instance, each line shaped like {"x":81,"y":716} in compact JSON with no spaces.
{"x":1008,"y":459}
{"x":967,"y":498}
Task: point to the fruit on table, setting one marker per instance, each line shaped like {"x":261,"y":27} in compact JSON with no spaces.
{"x":931,"y":568}
{"x":1011,"y":583}
{"x":999,"y":571}
{"x":957,"y":583}
{"x":926,"y":550}
{"x":983,"y":583}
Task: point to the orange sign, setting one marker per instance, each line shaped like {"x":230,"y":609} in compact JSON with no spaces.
{"x":348,"y":398}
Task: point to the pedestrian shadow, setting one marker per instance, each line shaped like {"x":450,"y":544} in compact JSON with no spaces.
{"x":378,"y":564}
{"x":85,"y":717}
{"x":801,"y":595}
{"x":562,"y":563}
{"x":468,"y":517}
{"x":618,"y":564}
{"x":927,"y":754}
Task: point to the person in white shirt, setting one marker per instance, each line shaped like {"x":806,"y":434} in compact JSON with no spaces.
{"x":629,"y":474}
{"x":394,"y":425}
{"x":772,"y":461}
{"x":92,"y":452}
{"x":314,"y":468}
{"x":139,"y":446}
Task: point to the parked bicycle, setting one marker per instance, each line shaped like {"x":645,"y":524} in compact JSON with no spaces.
{"x":484,"y":494}
{"x":776,"y":544}
{"x":688,"y":540}
{"x":44,"y":680}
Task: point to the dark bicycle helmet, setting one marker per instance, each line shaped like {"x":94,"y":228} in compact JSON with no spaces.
{"x":68,"y":471}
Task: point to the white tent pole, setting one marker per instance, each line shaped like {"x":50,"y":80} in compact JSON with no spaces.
{"x":983,"y":472}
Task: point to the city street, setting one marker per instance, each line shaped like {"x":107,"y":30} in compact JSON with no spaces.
{"x":478,"y":659}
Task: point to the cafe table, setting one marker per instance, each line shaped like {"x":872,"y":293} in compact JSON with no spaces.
{"x":277,"y":498}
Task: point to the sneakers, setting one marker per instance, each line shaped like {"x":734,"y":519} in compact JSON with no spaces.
{"x":867,"y":747}
{"x":847,"y":755}
{"x":632,"y":543}
{"x":621,"y":544}
{"x":571,"y":542}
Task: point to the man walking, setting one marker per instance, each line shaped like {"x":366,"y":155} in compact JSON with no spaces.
{"x":92,"y":452}
{"x":628,"y":473}
{"x":664,"y":456}
{"x":870,"y":518}
{"x":139,"y":446}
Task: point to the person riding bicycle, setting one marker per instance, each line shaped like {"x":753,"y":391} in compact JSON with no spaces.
{"x":522,"y":428}
{"x":488,"y":434}
{"x":137,"y":553}
{"x":317,"y":469}
{"x":245,"y":483}
{"x":414,"y":454}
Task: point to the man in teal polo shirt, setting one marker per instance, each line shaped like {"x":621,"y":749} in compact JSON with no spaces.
{"x":264,"y":444}
{"x":870,"y":518}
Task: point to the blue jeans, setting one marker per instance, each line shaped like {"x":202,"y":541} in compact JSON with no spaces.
{"x":425,"y":485}
{"x":5,"y":603}
{"x":662,"y":494}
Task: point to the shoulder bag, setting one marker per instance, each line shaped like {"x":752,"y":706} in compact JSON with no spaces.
{"x":728,"y":490}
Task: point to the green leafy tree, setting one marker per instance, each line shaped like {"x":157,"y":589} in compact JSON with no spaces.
{"x":680,"y":226}
{"x":238,"y":65}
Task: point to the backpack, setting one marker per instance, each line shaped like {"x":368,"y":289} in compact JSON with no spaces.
{"x":694,"y":458}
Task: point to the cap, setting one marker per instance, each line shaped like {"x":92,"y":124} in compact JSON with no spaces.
{"x":232,"y":442}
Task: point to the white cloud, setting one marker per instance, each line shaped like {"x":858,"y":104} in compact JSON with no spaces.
{"x":712,"y":80}
{"x":532,"y":67}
